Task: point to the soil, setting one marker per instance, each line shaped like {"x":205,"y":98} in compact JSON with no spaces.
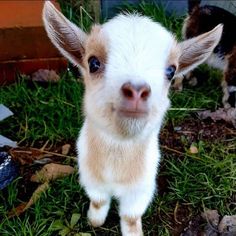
{"x":173,"y":139}
{"x":192,"y":131}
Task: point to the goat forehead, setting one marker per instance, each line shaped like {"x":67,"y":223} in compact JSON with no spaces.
{"x":137,"y":41}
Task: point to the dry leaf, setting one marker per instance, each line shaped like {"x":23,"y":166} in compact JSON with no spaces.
{"x":52,"y":171}
{"x":24,"y":206}
{"x":211,"y":216}
{"x":45,"y":76}
{"x":26,"y":156}
{"x":65,"y":149}
{"x":16,"y":211}
{"x":228,"y":115}
{"x":36,"y":195}
{"x":228,"y":224}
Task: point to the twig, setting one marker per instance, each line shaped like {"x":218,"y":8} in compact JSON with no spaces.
{"x":44,"y":146}
{"x":186,"y":109}
{"x":172,"y":150}
{"x":180,"y":153}
{"x":175,"y":213}
{"x":55,"y":154}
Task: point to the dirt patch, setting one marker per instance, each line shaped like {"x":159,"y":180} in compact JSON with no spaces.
{"x":173,"y":139}
{"x":192,"y":131}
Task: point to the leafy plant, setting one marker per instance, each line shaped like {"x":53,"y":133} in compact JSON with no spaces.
{"x":66,"y":228}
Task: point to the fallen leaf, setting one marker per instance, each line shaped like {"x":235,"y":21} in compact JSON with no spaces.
{"x":228,"y":115}
{"x":228,"y":224}
{"x":45,"y":76}
{"x":65,"y":149}
{"x":52,"y":171}
{"x":36,"y":194}
{"x":211,"y":216}
{"x":24,"y":206}
{"x":16,"y":211}
{"x":26,"y":156}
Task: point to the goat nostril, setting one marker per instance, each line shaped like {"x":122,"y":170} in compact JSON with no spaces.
{"x":145,"y":93}
{"x":127,"y":92}
{"x":131,"y":91}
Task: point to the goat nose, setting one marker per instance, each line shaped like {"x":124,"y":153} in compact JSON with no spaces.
{"x":136,"y":92}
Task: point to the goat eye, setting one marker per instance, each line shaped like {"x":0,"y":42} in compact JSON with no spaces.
{"x":170,"y":72}
{"x":94,"y":64}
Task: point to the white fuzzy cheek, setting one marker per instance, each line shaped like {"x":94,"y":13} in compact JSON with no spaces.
{"x":95,"y":107}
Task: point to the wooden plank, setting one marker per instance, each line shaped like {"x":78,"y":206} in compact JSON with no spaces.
{"x":9,"y":69}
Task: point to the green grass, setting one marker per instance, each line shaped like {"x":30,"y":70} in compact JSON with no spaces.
{"x":51,"y":113}
{"x":157,"y":13}
{"x":54,"y":113}
{"x":207,"y":96}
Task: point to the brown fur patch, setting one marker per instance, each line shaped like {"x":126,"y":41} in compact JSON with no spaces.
{"x":134,"y":224}
{"x":96,"y":45}
{"x":126,"y":164}
{"x":191,"y":24}
{"x":95,"y":223}
{"x":98,"y":205}
{"x":229,"y":78}
{"x":173,"y":57}
{"x":230,"y":72}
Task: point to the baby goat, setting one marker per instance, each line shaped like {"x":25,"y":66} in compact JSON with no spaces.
{"x":203,"y":19}
{"x":127,"y":65}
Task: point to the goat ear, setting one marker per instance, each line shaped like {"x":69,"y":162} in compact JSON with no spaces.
{"x":196,"y":50}
{"x":65,"y":35}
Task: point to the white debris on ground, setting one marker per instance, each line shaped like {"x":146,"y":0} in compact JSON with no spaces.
{"x":228,"y":115}
{"x":4,"y":113}
{"x":43,"y":75}
{"x":7,"y":142}
{"x":215,"y":225}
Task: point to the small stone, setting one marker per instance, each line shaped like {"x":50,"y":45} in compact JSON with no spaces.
{"x":65,"y":149}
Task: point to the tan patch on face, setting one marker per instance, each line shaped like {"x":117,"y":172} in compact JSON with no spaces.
{"x":174,"y":55}
{"x":96,"y":45}
{"x":134,"y":224}
{"x":125,"y":164}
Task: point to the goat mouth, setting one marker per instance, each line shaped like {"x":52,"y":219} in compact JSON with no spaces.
{"x":132,"y":113}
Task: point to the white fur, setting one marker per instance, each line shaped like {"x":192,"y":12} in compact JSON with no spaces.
{"x":215,"y":61}
{"x":126,"y":194}
{"x":138,"y":51}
